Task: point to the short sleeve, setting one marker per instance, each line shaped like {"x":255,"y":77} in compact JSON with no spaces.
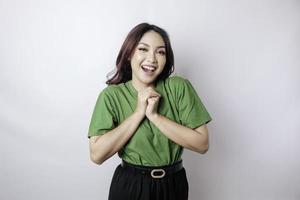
{"x":103,"y":117}
{"x":192,"y":112}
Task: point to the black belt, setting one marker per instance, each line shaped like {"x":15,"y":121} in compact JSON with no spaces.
{"x":154,"y":172}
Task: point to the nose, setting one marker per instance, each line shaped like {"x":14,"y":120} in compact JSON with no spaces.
{"x":152,"y":57}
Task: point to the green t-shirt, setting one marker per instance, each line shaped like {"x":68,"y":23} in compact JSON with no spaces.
{"x":148,"y":146}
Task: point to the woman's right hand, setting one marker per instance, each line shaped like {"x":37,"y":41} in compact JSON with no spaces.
{"x":142,"y":100}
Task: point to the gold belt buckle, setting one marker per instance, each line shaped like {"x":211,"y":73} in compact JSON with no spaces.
{"x":163,"y":173}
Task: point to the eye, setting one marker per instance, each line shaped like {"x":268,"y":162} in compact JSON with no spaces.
{"x":142,"y":49}
{"x":161,"y":52}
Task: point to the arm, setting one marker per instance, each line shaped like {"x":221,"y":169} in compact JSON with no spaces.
{"x":104,"y":146}
{"x":194,"y":139}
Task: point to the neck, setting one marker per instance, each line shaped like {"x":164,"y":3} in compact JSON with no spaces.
{"x":139,"y":86}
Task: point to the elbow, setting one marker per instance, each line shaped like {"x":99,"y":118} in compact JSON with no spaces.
{"x":202,"y":143}
{"x":96,"y":159}
{"x":96,"y":155}
{"x":203,"y":149}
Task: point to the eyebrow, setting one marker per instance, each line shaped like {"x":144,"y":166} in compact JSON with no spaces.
{"x":149,"y":45}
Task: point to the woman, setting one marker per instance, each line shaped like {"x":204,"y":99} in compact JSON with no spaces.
{"x":147,"y":117}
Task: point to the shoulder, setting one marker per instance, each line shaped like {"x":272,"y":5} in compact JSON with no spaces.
{"x":176,"y":82}
{"x":109,"y":93}
{"x":176,"y":79}
{"x":180,"y":86}
{"x":111,"y":89}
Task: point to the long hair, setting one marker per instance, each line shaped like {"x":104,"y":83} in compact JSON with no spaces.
{"x":123,"y":72}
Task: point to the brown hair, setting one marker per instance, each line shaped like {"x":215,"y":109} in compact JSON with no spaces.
{"x":123,"y":72}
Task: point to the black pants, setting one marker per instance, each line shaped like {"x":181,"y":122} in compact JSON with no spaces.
{"x":128,"y":184}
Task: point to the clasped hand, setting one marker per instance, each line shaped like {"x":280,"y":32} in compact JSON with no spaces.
{"x":147,"y":102}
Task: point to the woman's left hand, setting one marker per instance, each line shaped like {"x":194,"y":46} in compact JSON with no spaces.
{"x":151,"y":110}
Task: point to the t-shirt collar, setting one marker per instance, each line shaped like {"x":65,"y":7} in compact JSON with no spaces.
{"x":134,"y":91}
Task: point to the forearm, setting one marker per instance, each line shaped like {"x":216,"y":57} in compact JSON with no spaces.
{"x":183,"y":136}
{"x":104,"y":146}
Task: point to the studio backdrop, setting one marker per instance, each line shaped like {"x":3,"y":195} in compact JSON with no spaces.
{"x":242,"y":57}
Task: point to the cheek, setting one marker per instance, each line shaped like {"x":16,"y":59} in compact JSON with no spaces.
{"x":139,"y":57}
{"x":136,"y":60}
{"x":163,"y":61}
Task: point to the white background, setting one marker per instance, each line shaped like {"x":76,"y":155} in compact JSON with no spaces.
{"x":241,"y":56}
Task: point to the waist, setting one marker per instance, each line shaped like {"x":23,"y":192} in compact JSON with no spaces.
{"x":154,"y":172}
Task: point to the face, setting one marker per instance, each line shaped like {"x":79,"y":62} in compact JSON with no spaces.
{"x":148,"y":59}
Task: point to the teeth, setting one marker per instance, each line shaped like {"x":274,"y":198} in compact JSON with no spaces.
{"x":149,"y":68}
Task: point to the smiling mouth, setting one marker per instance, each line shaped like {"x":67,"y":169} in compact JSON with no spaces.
{"x":148,"y":68}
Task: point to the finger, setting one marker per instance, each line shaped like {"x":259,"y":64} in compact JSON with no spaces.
{"x":155,"y":94}
{"x":153,"y":100}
